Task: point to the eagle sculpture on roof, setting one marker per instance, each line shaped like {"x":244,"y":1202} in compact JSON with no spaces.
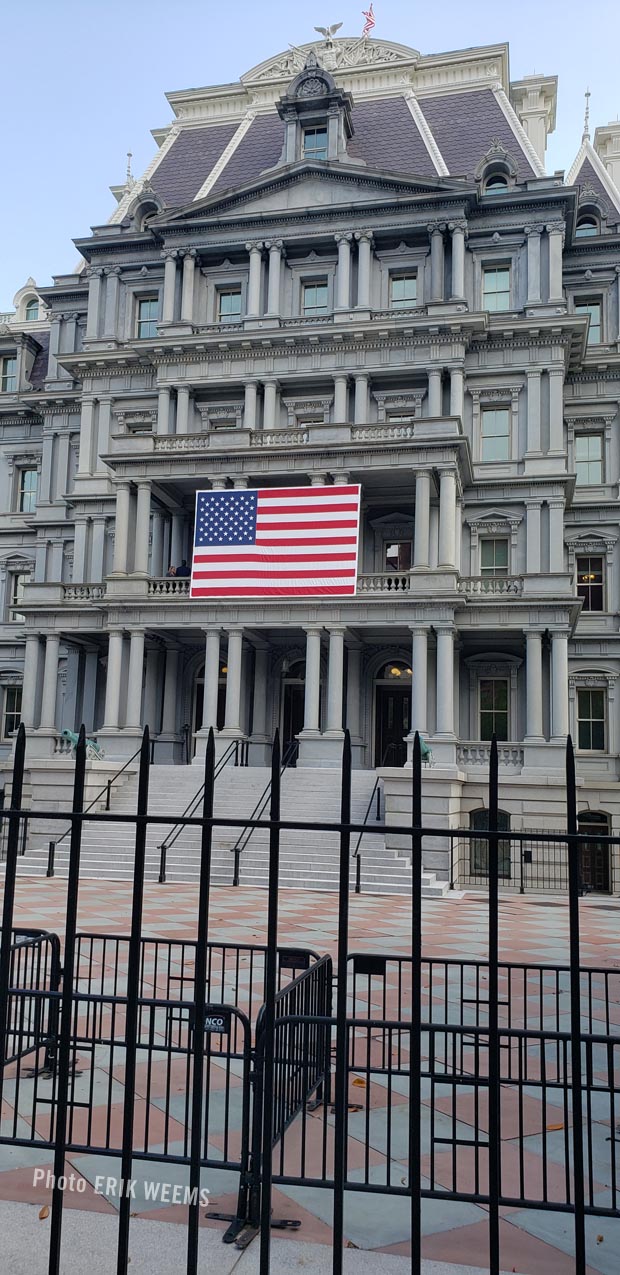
{"x":329,"y":32}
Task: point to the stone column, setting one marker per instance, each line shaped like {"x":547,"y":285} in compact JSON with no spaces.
{"x":85,"y":462}
{"x":341,"y":397}
{"x":50,"y":682}
{"x":113,"y":680}
{"x":169,"y":715}
{"x":313,"y":680}
{"x":256,"y":258}
{"x":54,"y":347}
{"x":436,"y":232}
{"x":97,"y":549}
{"x":555,"y":230}
{"x":421,"y":534}
{"x":187,"y":295}
{"x":456,"y":391}
{"x":364,"y":257}
{"x":556,"y":535}
{"x":447,"y":518}
{"x":273,"y":288}
{"x":111,"y":301}
{"x":354,"y":669}
{"x":534,"y":687}
{"x":31,"y":678}
{"x":249,"y":408}
{"x":445,"y":681}
{"x":361,"y":398}
{"x":270,"y":405}
{"x":152,"y":682}
{"x":335,"y":680}
{"x":176,"y":538}
{"x":434,"y":391}
{"x":94,"y":305}
{"x":458,"y":230}
{"x":163,"y":410}
{"x":103,"y":433}
{"x":157,"y":546}
{"x":121,"y":529}
{"x":419,"y":666}
{"x":80,"y":547}
{"x":170,"y":284}
{"x":134,"y":687}
{"x":533,"y":412}
{"x":556,"y":409}
{"x":617,"y":270}
{"x":143,"y":526}
{"x":212,"y":679}
{"x":182,"y":409}
{"x":232,"y":720}
{"x":533,"y":234}
{"x":559,"y":685}
{"x":259,"y":696}
{"x":532,"y":528}
{"x":343,"y":276}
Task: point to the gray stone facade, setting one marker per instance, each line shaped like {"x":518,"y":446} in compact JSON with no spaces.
{"x":339,"y":270}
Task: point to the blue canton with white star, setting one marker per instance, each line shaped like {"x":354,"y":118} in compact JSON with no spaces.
{"x":225,"y":518}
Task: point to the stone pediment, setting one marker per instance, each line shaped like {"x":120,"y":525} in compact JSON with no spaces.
{"x":342,"y":54}
{"x":309,"y":187}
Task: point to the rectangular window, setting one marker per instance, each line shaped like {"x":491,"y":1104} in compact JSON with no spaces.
{"x":403,"y":291}
{"x":496,"y":288}
{"x":589,"y":460}
{"x":148,"y":314}
{"x":8,"y":376}
{"x":591,"y":719}
{"x":315,"y":297}
{"x":593,"y":308}
{"x":494,"y":707}
{"x":315,"y":143}
{"x":398,"y":555}
{"x":479,"y":846}
{"x":17,"y":585}
{"x":12,"y":710}
{"x":494,"y":557}
{"x":590,"y":583}
{"x":496,"y":433}
{"x":228,"y":304}
{"x":27,"y":491}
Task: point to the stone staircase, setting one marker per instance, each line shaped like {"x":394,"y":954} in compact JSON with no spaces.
{"x":308,"y":860}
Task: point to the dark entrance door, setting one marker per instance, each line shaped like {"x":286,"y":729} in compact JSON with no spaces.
{"x":595,"y":854}
{"x":292,"y":712}
{"x":393,"y":717}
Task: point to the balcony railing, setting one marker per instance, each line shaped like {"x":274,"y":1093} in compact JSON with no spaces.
{"x":296,"y":436}
{"x":169,"y":587}
{"x":496,"y":586}
{"x":83,"y":592}
{"x":476,"y":753}
{"x":384,"y":582}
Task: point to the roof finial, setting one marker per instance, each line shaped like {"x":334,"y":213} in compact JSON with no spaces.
{"x":586,"y":121}
{"x":129,"y":180}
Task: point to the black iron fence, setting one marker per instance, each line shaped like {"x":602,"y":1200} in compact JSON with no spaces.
{"x":536,"y":860}
{"x":414,"y":1082}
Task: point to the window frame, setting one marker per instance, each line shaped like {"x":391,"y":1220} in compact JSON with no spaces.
{"x":485,"y":412}
{"x":590,"y":690}
{"x":313,"y":156}
{"x":584,"y":305}
{"x":8,"y":692}
{"x":151,"y":322}
{"x":588,"y":434}
{"x":22,"y":470}
{"x":479,"y":848}
{"x":493,"y":574}
{"x":318,"y":281}
{"x":13,"y":615}
{"x":6,"y":376}
{"x":494,"y":679}
{"x":32,"y":318}
{"x":589,"y":220}
{"x":486,"y":268}
{"x":228,"y":290}
{"x":588,"y":586}
{"x":402,"y":276}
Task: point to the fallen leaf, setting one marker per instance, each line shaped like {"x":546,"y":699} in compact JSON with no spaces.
{"x":553,"y":1128}
{"x":359,"y":1082}
{"x":44,"y":1212}
{"x":600,"y":1239}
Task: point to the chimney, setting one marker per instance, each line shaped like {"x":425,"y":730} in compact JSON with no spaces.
{"x":534,"y":100}
{"x":607,"y":147}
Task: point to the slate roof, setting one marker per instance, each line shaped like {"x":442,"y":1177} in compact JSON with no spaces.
{"x":189,"y":161}
{"x":39,"y":367}
{"x":386,"y":136}
{"x":588,"y":176}
{"x":464,"y":125}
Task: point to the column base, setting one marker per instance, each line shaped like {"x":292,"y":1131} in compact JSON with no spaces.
{"x":320,"y":750}
{"x":119,"y":743}
{"x":44,"y":743}
{"x":259,"y":750}
{"x":223,"y":740}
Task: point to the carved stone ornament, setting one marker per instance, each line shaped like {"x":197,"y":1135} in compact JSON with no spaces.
{"x":334,"y":55}
{"x":314,"y":86}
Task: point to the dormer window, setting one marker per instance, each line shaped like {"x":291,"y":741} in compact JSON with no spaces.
{"x":314,"y":143}
{"x":32,"y":310}
{"x":495,"y":184}
{"x":586,"y":226}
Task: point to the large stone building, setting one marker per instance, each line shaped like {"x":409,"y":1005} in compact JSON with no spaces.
{"x":348,"y":266}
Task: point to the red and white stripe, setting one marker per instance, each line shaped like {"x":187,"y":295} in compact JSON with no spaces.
{"x":368,"y":14}
{"x":306,"y":544}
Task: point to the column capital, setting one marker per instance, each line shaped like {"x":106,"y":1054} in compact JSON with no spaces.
{"x":344,"y":236}
{"x":336,"y":628}
{"x":364,"y":236}
{"x":274,"y":245}
{"x":254,"y":245}
{"x":533,"y":630}
{"x":458,"y":226}
{"x":268,"y":380}
{"x":535,"y":229}
{"x":419,"y":630}
{"x":211,"y":628}
{"x":445,"y":626}
{"x":361,"y":376}
{"x":555,"y":227}
{"x":233,"y":628}
{"x":313,"y":628}
{"x":169,"y":254}
{"x":436,"y":228}
{"x":188,"y":254}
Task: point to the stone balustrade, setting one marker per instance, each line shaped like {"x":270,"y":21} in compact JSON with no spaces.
{"x":279,"y":438}
{"x":83,"y":592}
{"x":169,"y":587}
{"x":62,"y":747}
{"x":384,"y":582}
{"x":496,"y":586}
{"x":474,"y":753}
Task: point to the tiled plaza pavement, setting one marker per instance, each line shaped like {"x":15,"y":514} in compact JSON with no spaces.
{"x":531,"y":929}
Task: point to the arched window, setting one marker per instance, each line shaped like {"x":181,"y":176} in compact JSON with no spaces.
{"x":32,"y":310}
{"x":479,"y":846}
{"x":394,"y":671}
{"x":496,"y":183}
{"x":587,"y":225}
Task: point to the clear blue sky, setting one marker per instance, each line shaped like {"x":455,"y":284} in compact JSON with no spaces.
{"x":84,"y":82}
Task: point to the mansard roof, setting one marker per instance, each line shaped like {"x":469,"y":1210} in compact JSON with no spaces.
{"x":589,"y":170}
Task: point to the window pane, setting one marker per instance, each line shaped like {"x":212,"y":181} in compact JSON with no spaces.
{"x":591,"y":718}
{"x":496,"y":288}
{"x":229,"y":303}
{"x":18,"y":583}
{"x":590,"y":582}
{"x":398,"y":555}
{"x":32,"y":311}
{"x":8,"y":380}
{"x":403,"y":290}
{"x":593,"y":308}
{"x":315,"y":297}
{"x":147,"y":317}
{"x":12,"y":710}
{"x":27,"y":491}
{"x":494,"y":557}
{"x":589,"y":459}
{"x":315,"y":143}
{"x":496,"y":434}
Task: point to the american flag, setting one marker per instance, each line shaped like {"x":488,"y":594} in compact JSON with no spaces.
{"x":368,"y":14}
{"x":276,"y":542}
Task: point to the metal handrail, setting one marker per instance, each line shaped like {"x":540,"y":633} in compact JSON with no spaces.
{"x":356,"y":852}
{"x":290,"y":752}
{"x":233,"y":749}
{"x":107,"y":789}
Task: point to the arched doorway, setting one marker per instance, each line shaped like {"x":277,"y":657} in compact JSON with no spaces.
{"x":292,"y":700}
{"x":199,"y":699}
{"x":594,"y":855}
{"x":392,"y":713}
